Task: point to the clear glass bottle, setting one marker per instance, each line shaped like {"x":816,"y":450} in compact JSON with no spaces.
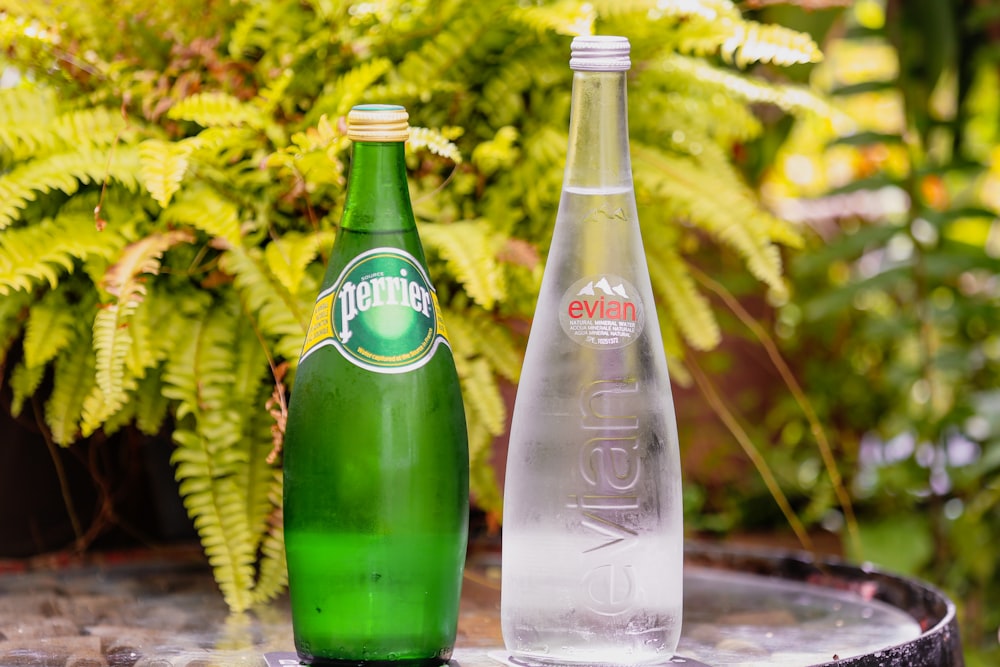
{"x":376,"y":463}
{"x":592,"y":525}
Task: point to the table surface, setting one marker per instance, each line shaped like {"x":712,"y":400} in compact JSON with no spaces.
{"x":167,"y":613}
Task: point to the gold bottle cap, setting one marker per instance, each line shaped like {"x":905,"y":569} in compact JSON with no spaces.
{"x":378,"y":122}
{"x":600,"y":53}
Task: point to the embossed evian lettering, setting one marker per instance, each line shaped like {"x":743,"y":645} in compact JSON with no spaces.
{"x":610,"y":467}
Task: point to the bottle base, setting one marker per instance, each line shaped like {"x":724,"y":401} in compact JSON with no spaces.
{"x":535,"y":661}
{"x":318,"y":661}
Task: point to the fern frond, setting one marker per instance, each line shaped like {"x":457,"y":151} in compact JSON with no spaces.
{"x":26,"y":114}
{"x":469,"y":249}
{"x":435,"y":142}
{"x":564,"y":18}
{"x":50,"y":327}
{"x":681,"y":10}
{"x":157,"y":325}
{"x":201,"y":207}
{"x":690,"y":311}
{"x":288,"y":257}
{"x":24,"y":380}
{"x":162,"y":165}
{"x":249,"y":395}
{"x":483,"y":400}
{"x":29,"y":255}
{"x":65,"y":172}
{"x":273,"y":571}
{"x":278,"y":313}
{"x":72,"y":381}
{"x":151,"y":406}
{"x":791,"y":99}
{"x":503,"y":96}
{"x":350,"y":88}
{"x":99,"y":410}
{"x":500,"y":152}
{"x":673,"y":347}
{"x":12,"y":317}
{"x":477,"y":334}
{"x":208,"y":456}
{"x":271,"y":95}
{"x":30,"y":125}
{"x":483,"y":486}
{"x":112,"y":333}
{"x":398,"y":92}
{"x":752,"y":42}
{"x":213,"y":140}
{"x":724,"y":209}
{"x":217,"y":109}
{"x":437,"y":56}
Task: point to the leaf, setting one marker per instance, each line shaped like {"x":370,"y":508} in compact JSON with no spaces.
{"x":72,"y":381}
{"x":210,"y":452}
{"x":65,"y":172}
{"x":277,"y":312}
{"x":24,"y":380}
{"x":288,"y":257}
{"x":717,"y":203}
{"x":469,"y":250}
{"x":435,"y":142}
{"x":565,"y":17}
{"x":350,"y":89}
{"x":42,"y":252}
{"x":215,"y":109}
{"x":201,"y":207}
{"x":151,"y":406}
{"x":112,"y":334}
{"x":50,"y":327}
{"x":689,"y":309}
{"x":162,"y":165}
{"x":752,"y":42}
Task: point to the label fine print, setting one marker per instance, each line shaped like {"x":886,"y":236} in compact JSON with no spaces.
{"x":381,"y":314}
{"x":602,"y":312}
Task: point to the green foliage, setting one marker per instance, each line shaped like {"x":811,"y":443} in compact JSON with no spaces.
{"x":892,"y":318}
{"x":170,"y":187}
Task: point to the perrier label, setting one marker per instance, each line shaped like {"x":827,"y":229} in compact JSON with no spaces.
{"x":381,"y":313}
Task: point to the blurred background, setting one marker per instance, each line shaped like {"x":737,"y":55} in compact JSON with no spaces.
{"x":818,"y":183}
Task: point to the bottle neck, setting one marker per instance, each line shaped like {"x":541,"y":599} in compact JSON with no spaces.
{"x":378,"y":197}
{"x":598,"y":156}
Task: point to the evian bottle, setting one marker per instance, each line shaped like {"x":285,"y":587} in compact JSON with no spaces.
{"x":592,"y":524}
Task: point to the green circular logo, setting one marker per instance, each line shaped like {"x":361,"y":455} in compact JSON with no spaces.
{"x":381,"y":313}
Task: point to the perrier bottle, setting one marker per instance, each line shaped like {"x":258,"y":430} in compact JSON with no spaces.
{"x":376,"y":449}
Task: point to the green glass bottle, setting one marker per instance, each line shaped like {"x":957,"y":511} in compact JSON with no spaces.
{"x":376,"y":463}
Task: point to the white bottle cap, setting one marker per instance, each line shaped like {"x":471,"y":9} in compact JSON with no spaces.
{"x":600,"y":53}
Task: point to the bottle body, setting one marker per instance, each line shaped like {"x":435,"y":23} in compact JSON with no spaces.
{"x":593,"y":535}
{"x":376,"y":453}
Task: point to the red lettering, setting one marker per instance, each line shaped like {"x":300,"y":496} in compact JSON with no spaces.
{"x":576,"y":309}
{"x":591,"y":308}
{"x":630,"y":312}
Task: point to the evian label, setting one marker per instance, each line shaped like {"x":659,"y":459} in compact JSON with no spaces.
{"x":602,"y":312}
{"x":381,"y":314}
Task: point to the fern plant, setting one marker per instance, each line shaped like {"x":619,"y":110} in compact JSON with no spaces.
{"x":170,"y":188}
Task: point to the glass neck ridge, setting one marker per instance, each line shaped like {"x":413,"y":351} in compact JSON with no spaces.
{"x":598,"y":154}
